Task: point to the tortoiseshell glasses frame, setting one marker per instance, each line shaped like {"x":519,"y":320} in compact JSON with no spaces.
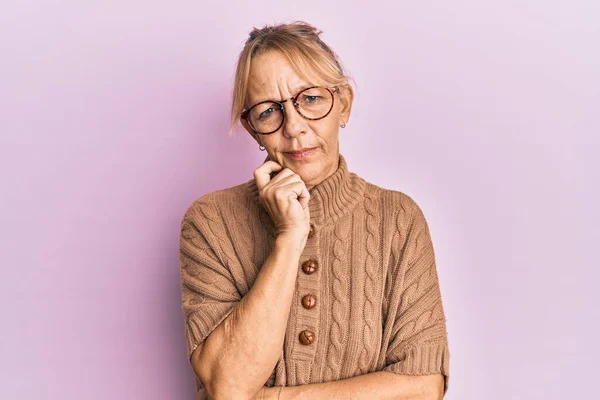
{"x":245,"y":114}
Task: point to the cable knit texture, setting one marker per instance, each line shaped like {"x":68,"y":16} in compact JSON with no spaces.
{"x":378,"y":300}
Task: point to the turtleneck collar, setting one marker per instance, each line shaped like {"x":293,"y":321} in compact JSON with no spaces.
{"x":332,"y":198}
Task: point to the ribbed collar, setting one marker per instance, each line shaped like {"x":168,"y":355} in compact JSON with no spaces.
{"x":334,"y":197}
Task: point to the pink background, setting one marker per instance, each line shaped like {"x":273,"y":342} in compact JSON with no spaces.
{"x":113,"y":119}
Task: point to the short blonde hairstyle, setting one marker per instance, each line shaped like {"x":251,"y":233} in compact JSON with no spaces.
{"x":301,"y":44}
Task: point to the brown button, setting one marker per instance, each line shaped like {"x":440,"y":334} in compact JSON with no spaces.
{"x":311,"y":231}
{"x":309,"y":266}
{"x":309,"y":301}
{"x":306,"y":337}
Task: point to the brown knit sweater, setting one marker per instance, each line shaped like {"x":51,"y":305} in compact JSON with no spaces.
{"x":367,"y":276}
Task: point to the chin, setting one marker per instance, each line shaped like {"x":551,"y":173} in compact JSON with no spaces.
{"x":309,"y":176}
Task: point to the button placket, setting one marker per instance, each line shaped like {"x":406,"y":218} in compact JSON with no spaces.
{"x":307,"y":315}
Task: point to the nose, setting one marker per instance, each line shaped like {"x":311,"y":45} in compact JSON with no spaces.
{"x":294,"y":124}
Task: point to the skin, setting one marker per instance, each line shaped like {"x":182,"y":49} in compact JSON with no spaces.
{"x":272,"y":77}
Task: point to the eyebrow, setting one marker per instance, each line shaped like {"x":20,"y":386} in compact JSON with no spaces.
{"x":297,"y":90}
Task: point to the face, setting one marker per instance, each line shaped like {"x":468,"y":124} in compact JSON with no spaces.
{"x":272,"y":77}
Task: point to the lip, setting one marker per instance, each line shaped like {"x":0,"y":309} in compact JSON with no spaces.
{"x":302,"y":153}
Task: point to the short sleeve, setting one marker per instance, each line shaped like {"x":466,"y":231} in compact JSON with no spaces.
{"x":419,"y":341}
{"x":209,"y":294}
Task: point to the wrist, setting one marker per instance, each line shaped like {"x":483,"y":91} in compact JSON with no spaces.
{"x":295,"y":240}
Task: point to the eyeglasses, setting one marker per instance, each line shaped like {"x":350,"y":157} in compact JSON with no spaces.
{"x":312,"y":103}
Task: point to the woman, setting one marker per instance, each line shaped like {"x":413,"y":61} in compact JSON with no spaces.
{"x":308,"y":281}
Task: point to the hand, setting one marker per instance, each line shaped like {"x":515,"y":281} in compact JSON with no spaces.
{"x":285,"y":197}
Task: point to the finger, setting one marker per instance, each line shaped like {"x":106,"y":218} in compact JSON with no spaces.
{"x":304,"y":197}
{"x":282,"y":176}
{"x":298,"y":192}
{"x":262,"y":175}
{"x":285,"y":177}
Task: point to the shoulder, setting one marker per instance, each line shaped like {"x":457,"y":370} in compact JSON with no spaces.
{"x":213,"y":205}
{"x":394,"y":201}
{"x":398,"y":209}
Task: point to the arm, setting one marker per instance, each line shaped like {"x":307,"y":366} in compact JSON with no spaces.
{"x":236,"y":341}
{"x":375,"y":385}
{"x":240,"y":354}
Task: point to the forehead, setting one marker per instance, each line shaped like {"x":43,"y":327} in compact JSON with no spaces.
{"x":273,"y":77}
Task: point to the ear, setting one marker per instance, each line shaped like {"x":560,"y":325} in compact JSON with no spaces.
{"x":346,"y":98}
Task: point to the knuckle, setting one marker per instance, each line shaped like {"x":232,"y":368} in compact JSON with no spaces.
{"x":262,"y":193}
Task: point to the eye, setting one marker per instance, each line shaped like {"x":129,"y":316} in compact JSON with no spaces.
{"x":311,"y":99}
{"x":267,"y":112}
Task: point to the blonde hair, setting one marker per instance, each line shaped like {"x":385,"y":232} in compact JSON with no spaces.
{"x":301,"y":44}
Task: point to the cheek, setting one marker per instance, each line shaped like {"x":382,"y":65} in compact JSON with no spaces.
{"x":274,"y":142}
{"x":328,"y":126}
{"x":326,"y":131}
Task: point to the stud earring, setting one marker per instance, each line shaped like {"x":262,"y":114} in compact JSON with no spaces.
{"x":343,"y":125}
{"x":261,"y":147}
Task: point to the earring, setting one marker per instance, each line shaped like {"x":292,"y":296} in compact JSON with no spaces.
{"x":343,"y":125}
{"x":261,"y":147}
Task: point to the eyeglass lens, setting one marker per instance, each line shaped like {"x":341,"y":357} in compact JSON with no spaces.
{"x":313,"y":103}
